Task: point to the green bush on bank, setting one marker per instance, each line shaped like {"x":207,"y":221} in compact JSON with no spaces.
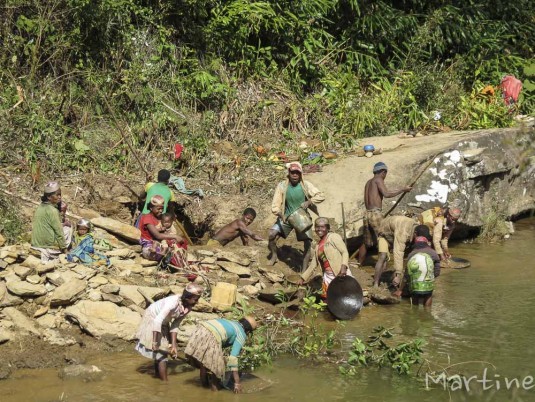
{"x":77,"y":73}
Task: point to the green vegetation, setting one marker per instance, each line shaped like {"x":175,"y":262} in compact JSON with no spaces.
{"x":312,"y":339}
{"x":377,"y":352}
{"x":11,"y":224}
{"x":494,"y":226}
{"x":75,"y":74}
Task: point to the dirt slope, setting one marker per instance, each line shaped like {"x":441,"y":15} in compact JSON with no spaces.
{"x":343,"y":181}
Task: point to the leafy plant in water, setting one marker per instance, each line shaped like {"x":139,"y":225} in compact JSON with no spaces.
{"x":377,"y":351}
{"x":312,"y":339}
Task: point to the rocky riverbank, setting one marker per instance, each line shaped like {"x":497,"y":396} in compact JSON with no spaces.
{"x":61,"y":310}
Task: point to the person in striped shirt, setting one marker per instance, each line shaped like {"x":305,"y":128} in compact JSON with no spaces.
{"x":205,"y":349}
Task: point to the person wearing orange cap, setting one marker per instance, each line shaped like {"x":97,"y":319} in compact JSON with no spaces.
{"x":150,"y":235}
{"x":290,"y":195}
{"x":205,"y":349}
{"x":157,"y":332}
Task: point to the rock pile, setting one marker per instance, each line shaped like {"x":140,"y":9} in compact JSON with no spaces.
{"x":43,"y":300}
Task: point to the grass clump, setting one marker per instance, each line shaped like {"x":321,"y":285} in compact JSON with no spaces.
{"x":11,"y":224}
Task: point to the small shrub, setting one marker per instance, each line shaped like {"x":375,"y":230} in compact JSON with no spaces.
{"x":11,"y":224}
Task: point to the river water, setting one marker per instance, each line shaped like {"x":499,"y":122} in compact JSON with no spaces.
{"x":480,"y":314}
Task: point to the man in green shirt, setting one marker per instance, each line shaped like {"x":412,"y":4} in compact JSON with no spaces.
{"x":159,"y":188}
{"x":290,"y":195}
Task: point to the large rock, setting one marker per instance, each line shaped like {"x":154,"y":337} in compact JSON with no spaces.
{"x":105,"y":319}
{"x":203,"y":306}
{"x":85,"y":372}
{"x":97,"y":281}
{"x":6,"y":335}
{"x":128,"y":265}
{"x":84,"y":272}
{"x":55,"y":338}
{"x":250,"y":290}
{"x":21,"y":321}
{"x":110,"y":288}
{"x":382,"y":296}
{"x":22,"y":271}
{"x":223,"y":255}
{"x":25,"y":289}
{"x":122,"y":253}
{"x":32,"y":262}
{"x":132,"y":293}
{"x":47,"y":321}
{"x":120,"y":229}
{"x":2,"y":240}
{"x":58,"y":278}
{"x":35,"y":279}
{"x":7,"y":299}
{"x":241,"y":271}
{"x":111,"y":298}
{"x":68,"y":293}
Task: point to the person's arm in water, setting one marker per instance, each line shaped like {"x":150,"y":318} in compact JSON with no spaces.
{"x":444,"y":242}
{"x":232,"y":364}
{"x":437,"y":238}
{"x":381,"y":187}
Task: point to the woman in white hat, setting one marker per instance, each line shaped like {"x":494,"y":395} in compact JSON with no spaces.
{"x":158,"y":330}
{"x":49,"y":236}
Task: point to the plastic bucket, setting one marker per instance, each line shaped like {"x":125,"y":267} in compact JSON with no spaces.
{"x":223,"y":296}
{"x":300,"y":220}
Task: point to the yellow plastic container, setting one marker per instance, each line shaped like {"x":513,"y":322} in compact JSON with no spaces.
{"x":223,"y":296}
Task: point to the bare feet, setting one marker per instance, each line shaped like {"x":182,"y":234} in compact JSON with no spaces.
{"x":273,"y":260}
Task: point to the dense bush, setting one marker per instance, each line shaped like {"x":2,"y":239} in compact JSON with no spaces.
{"x":78,"y":75}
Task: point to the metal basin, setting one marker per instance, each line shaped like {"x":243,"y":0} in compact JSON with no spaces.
{"x":344,"y":297}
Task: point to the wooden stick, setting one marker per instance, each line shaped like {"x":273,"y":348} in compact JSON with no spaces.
{"x":123,"y":135}
{"x":183,"y":230}
{"x":412,"y":184}
{"x":344,"y":224}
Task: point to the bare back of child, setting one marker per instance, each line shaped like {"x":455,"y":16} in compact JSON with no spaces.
{"x":238,"y":228}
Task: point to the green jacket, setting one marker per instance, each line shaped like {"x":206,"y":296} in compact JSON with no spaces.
{"x":47,"y":231}
{"x":420,"y":268}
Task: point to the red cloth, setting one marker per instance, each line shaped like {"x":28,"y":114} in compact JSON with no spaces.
{"x":178,"y":150}
{"x":511,"y":87}
{"x":147,"y":219}
{"x":321,"y":255}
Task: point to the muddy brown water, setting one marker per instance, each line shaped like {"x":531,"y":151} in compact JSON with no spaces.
{"x":480,"y":314}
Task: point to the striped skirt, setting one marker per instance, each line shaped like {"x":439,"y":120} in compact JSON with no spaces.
{"x":204,"y":349}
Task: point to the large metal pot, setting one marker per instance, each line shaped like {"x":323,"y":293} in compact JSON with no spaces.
{"x":344,"y":297}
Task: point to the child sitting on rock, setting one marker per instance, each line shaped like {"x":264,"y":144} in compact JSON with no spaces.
{"x":174,"y":250}
{"x":84,"y":250}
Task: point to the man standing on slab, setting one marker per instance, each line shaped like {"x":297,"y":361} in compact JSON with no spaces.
{"x":374,"y":191}
{"x":290,"y":195}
